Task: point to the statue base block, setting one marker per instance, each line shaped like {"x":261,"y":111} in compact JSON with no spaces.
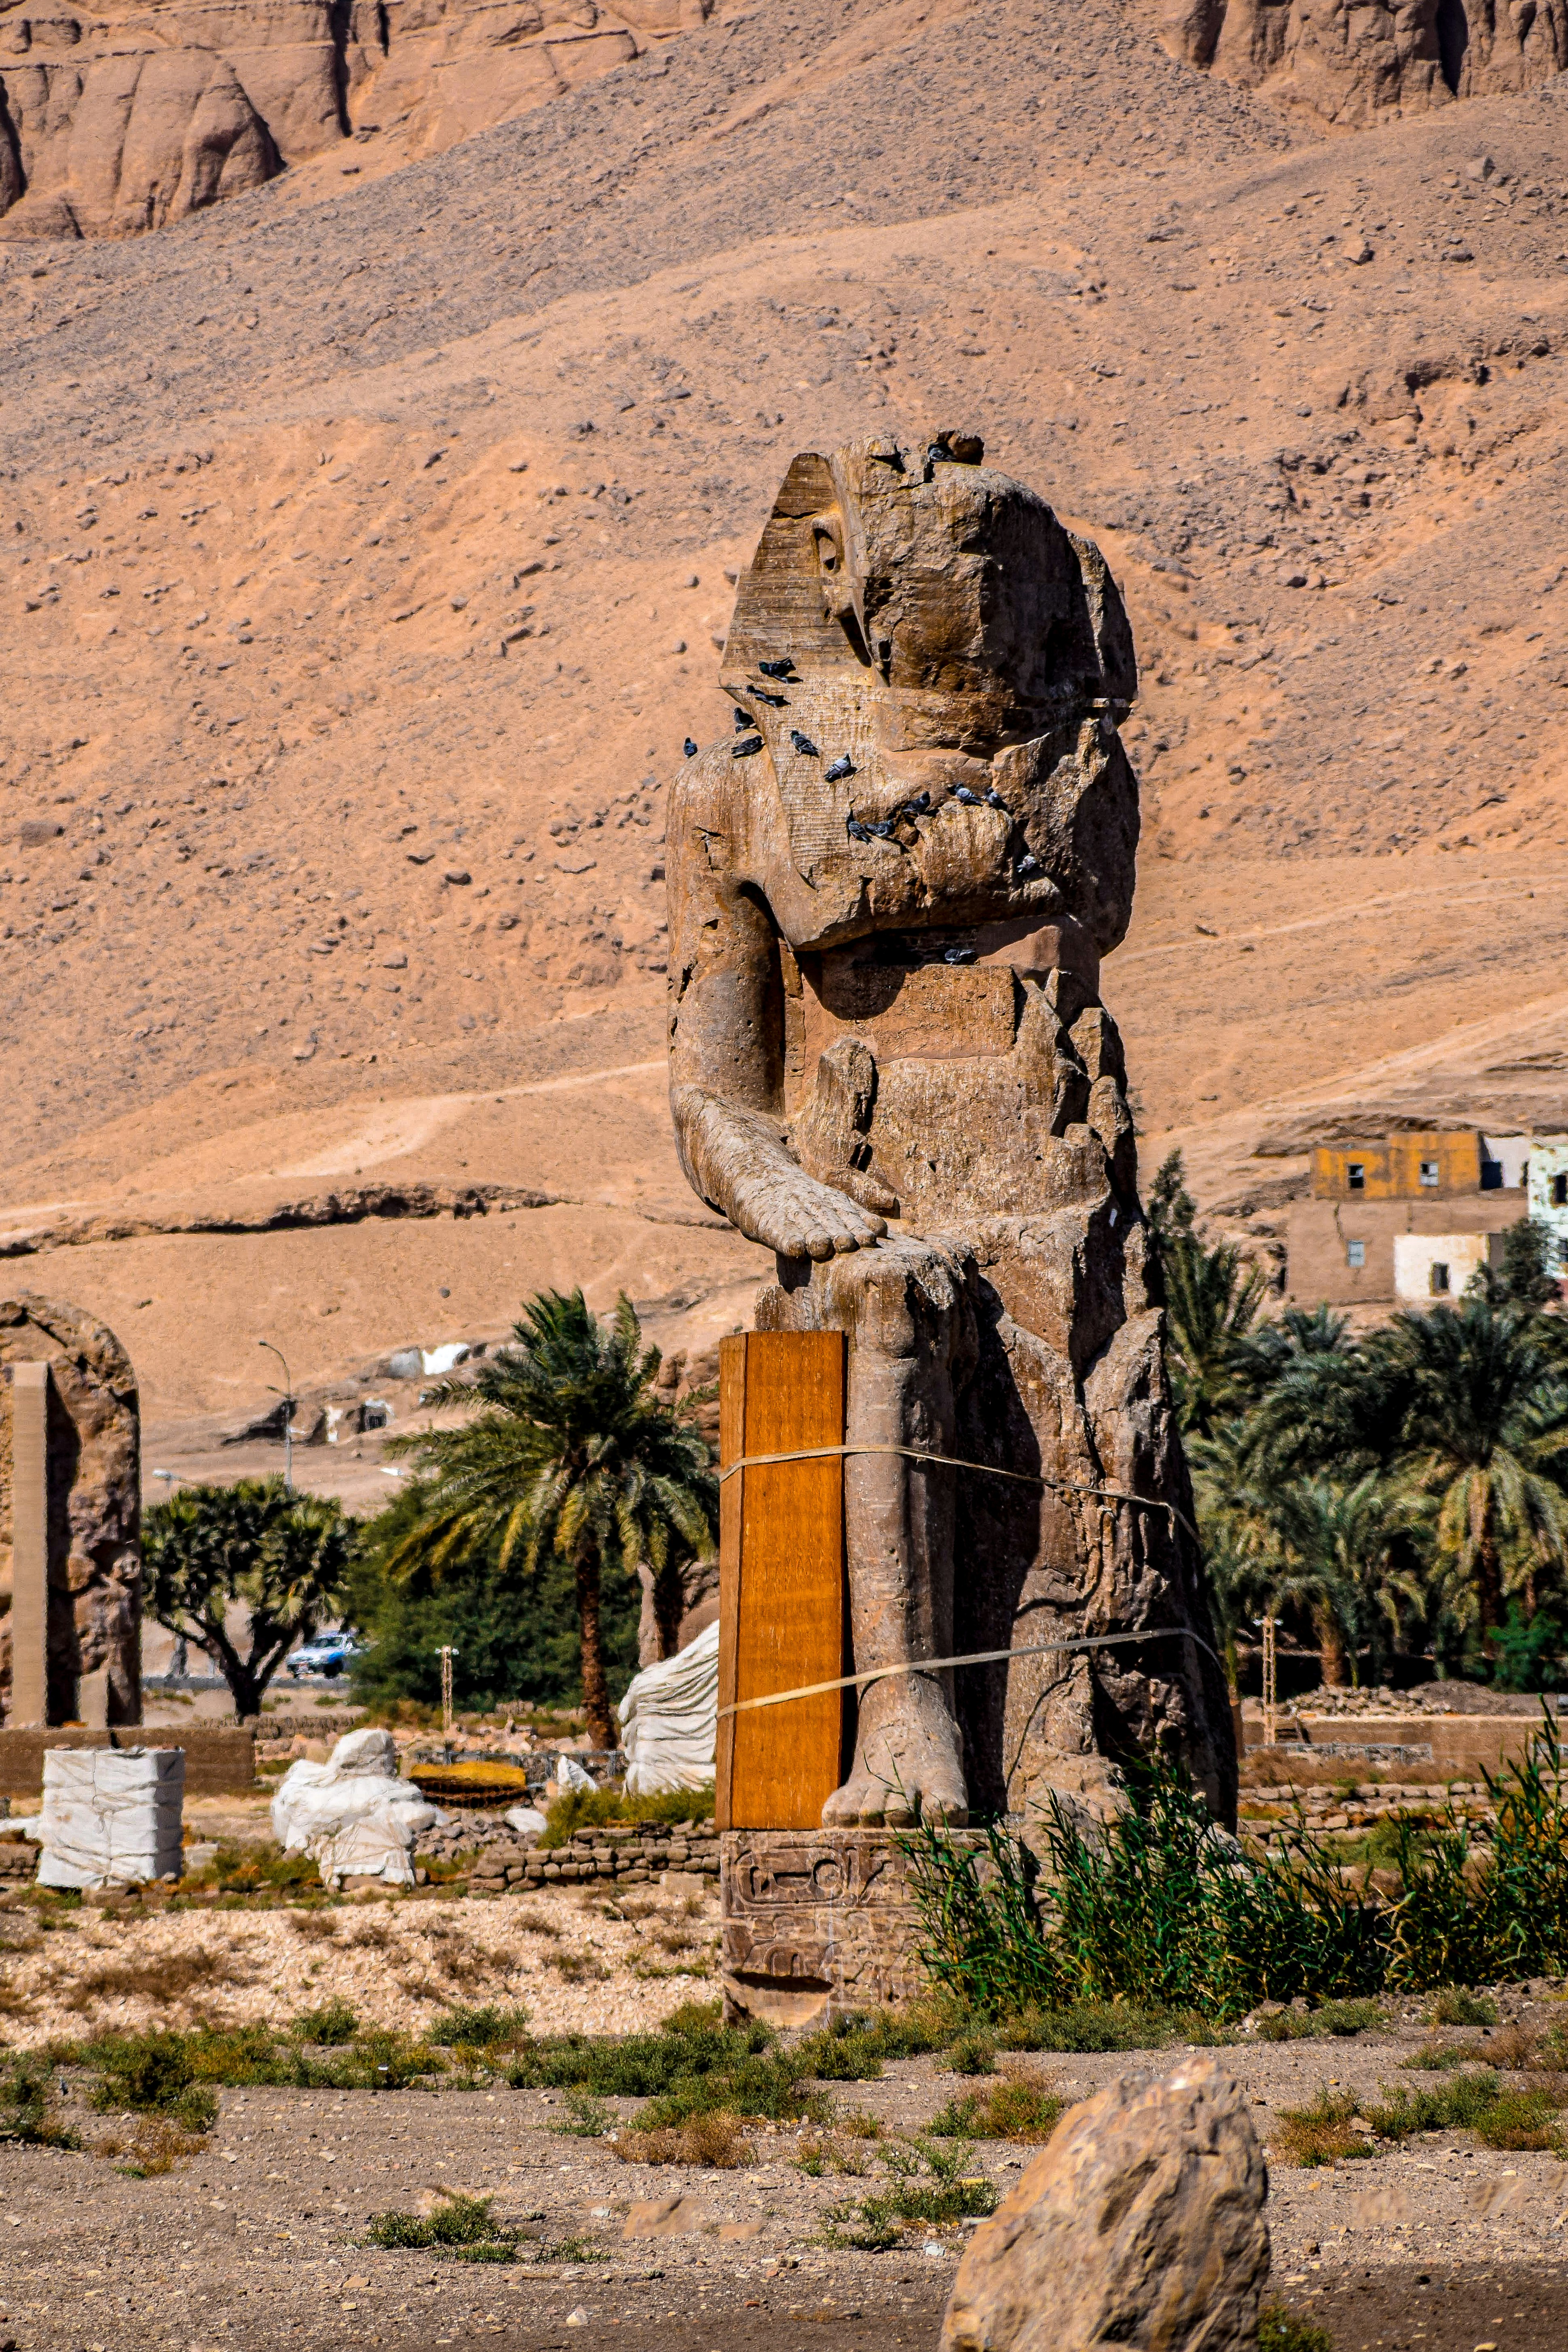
{"x":817,"y":1922}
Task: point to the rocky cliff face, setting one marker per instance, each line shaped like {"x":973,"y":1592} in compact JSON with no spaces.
{"x":114,"y":123}
{"x":1350,"y":63}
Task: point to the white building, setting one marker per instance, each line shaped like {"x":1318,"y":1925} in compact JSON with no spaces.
{"x":1548,"y":1189}
{"x":1432,"y":1269}
{"x":1505,"y":1162}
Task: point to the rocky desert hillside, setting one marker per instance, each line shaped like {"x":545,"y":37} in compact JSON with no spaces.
{"x":363,"y":563}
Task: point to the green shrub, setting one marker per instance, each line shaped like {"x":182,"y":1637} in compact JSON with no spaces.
{"x":27,"y":2106}
{"x":490,"y":2029}
{"x":149,"y":2071}
{"x":1012,"y":2109}
{"x":973,"y":2054}
{"x":930,"y":2189}
{"x":464,"y":2228}
{"x":328,"y":2027}
{"x":1455,"y":2005}
{"x":1319,"y":2134}
{"x":1470,"y":1917}
{"x":1334,"y":2017}
{"x":1089,"y":2025}
{"x":583,"y":1808}
{"x":1280,"y":2330}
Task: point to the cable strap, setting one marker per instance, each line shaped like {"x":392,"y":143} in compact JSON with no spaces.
{"x":955,"y":1462}
{"x":971,"y":1658}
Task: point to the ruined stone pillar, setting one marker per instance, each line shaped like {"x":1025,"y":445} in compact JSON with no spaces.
{"x":70,"y":1481}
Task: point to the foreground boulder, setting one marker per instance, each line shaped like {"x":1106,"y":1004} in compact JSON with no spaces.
{"x":1140,"y":2224}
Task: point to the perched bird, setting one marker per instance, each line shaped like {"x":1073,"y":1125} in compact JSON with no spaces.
{"x":743,"y":720}
{"x":959,"y":955}
{"x":855,"y":830}
{"x":919,"y":805}
{"x":839,"y":770}
{"x":804,"y":744}
{"x":690,"y":749}
{"x":881,"y":830}
{"x":745,"y":747}
{"x":761,"y":694}
{"x":971,"y":800}
{"x":776,"y":668}
{"x":1028,"y":865}
{"x":993,"y":799}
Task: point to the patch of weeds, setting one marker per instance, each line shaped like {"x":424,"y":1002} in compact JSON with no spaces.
{"x":154,"y":2147}
{"x":533,"y":1922}
{"x":145,"y":2072}
{"x":328,"y":2027}
{"x":714,"y":2139}
{"x":1280,"y":2330}
{"x":152,"y":2073}
{"x":1438,"y":2058}
{"x":585,"y":2116}
{"x":1340,"y":2018}
{"x":577,"y":1967}
{"x":27,"y":2106}
{"x":258,"y":1867}
{"x":316,"y":1926}
{"x":859,"y":2122}
{"x":825,"y":2154}
{"x":1460,"y":2105}
{"x":463,"y":2228}
{"x":1015,"y":2108}
{"x":1456,"y":2005}
{"x":973,"y":2054}
{"x":490,"y":2029}
{"x":167,"y":1977}
{"x":1083,"y":2026}
{"x":928,"y":2189}
{"x":1321,"y":2134}
{"x":573,"y":2250}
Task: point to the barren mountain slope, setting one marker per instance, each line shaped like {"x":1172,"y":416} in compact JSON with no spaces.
{"x":363,"y":567}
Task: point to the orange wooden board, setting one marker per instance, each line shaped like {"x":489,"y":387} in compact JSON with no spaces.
{"x":780,"y":1577}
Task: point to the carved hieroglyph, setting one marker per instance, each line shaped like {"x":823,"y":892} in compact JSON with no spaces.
{"x":92,"y":1488}
{"x":890,"y":892}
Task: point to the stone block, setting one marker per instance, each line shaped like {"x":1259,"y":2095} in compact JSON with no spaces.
{"x":818,"y":1921}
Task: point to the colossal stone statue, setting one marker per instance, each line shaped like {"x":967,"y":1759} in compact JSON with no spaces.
{"x":890,"y":894}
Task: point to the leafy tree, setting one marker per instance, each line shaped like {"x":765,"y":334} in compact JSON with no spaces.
{"x":1527,"y":1651}
{"x":1170,"y":1211}
{"x":569,"y":1456}
{"x":1213,"y":1298}
{"x":1525,"y":1279}
{"x":279,"y":1556}
{"x":513,"y":1640}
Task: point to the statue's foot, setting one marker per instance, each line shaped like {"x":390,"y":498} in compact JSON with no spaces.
{"x":909,"y":1762}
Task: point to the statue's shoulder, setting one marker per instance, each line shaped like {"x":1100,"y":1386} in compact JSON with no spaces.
{"x":713,"y":801}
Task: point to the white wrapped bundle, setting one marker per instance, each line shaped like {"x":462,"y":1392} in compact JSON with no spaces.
{"x":353,"y":1815}
{"x":669,"y":1719}
{"x":111,"y":1816}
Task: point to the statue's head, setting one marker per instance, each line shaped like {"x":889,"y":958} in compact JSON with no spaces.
{"x":952,"y":588}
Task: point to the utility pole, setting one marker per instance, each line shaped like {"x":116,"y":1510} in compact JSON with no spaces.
{"x":447,"y":1656}
{"x":1270,"y":1682}
{"x":287,"y":1392}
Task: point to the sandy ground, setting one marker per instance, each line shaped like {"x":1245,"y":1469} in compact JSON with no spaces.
{"x":397,"y":1963}
{"x":259,"y":2239}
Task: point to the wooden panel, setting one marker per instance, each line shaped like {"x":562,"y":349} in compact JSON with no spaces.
{"x":780,"y":1577}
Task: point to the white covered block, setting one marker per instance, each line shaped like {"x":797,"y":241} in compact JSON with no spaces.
{"x":669,"y":1719}
{"x":353,"y":1815}
{"x":111,"y":1816}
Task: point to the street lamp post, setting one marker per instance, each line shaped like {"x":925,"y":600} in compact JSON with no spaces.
{"x":287,"y":1393}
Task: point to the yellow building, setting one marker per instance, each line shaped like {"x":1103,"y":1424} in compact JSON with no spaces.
{"x":1440,"y":1164}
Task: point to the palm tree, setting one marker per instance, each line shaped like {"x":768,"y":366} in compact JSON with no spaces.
{"x":1482,"y":1435}
{"x":570,"y":1454}
{"x":1211,"y":1301}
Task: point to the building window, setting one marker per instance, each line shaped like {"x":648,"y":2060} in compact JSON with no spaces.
{"x":1492,"y":1175}
{"x":1358,"y":1176}
{"x":1437,"y":1280}
{"x":1560,"y":1192}
{"x":1355,"y":1253}
{"x":1429,"y":1174}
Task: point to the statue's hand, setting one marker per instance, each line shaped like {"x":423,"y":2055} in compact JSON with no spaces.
{"x":788,"y":1211}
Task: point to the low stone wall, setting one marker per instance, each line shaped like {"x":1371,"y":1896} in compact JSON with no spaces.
{"x":629,"y":1857}
{"x":219,"y":1762}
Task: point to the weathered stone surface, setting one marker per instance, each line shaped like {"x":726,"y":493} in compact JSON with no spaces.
{"x":1141,"y":2223}
{"x":1382,"y":60}
{"x":816,"y":1922}
{"x":111,"y":124}
{"x":889,"y":1062}
{"x":95,"y":1506}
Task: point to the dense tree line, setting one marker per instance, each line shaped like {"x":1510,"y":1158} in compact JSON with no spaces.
{"x":1399,"y":1490}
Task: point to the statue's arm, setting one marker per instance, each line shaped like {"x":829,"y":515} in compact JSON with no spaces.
{"x":726,"y":1037}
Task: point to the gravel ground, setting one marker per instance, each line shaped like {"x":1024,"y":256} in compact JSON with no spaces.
{"x":259,"y":2239}
{"x":398,"y":1962}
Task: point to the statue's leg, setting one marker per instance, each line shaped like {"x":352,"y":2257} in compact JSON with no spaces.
{"x":908,"y":1313}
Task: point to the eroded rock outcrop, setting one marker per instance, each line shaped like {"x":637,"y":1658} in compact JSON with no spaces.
{"x":95,"y":1505}
{"x":1140,"y":2223}
{"x":1356,"y":64}
{"x":112,"y":124}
